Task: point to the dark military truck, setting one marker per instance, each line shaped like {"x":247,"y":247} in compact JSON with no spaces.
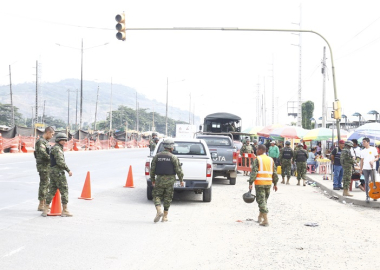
{"x":223,"y":155}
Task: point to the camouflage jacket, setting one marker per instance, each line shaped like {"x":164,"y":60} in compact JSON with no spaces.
{"x":282,"y":151}
{"x":42,"y":151}
{"x":346,"y":159}
{"x":152,"y":145}
{"x":296,"y":152}
{"x":57,"y":154}
{"x":246,"y":148}
{"x":176,"y":164}
{"x":255,"y":169}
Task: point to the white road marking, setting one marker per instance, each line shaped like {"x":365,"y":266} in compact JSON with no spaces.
{"x":13,"y":252}
{"x":15,"y":205}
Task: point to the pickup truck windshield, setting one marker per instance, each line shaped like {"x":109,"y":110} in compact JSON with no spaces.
{"x":186,"y":148}
{"x":217,"y":141}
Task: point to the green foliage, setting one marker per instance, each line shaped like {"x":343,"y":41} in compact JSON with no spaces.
{"x":307,"y":113}
{"x":125,"y":114}
{"x":6,"y":115}
{"x":49,"y":121}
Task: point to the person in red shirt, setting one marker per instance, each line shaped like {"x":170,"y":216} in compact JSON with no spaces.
{"x":304,"y":144}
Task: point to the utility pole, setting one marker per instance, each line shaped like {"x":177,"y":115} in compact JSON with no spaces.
{"x":190,"y":110}
{"x":76,"y":111}
{"x":272,"y":89}
{"x":324,"y":107}
{"x":43,"y":113}
{"x":166,"y":117}
{"x":111,"y":110}
{"x":96,"y":107}
{"x":264,"y":107}
{"x":153,"y":127}
{"x":81,"y":88}
{"x":138,"y":117}
{"x":258,"y":103}
{"x":299,"y":113}
{"x":137,"y":125}
{"x":68,"y":107}
{"x":10,"y":89}
{"x":36,"y":92}
{"x":278,"y":110}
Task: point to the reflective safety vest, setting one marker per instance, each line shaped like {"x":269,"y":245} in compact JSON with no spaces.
{"x":265,"y":174}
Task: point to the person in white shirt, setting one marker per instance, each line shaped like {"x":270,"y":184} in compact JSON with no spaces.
{"x":368,"y":157}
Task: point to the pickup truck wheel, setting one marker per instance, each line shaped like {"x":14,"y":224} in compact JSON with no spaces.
{"x":207,"y":195}
{"x":149,"y":192}
{"x":232,"y":181}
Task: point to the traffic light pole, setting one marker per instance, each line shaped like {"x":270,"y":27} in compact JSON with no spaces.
{"x":253,"y":30}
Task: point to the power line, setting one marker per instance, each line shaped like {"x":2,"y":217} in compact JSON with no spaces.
{"x":359,"y":48}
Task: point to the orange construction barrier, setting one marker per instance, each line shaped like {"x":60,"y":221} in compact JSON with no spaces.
{"x":1,"y":145}
{"x":119,"y":145}
{"x":86,"y":192}
{"x":248,"y":161}
{"x":27,"y":147}
{"x":56,"y":207}
{"x":129,"y":182}
{"x":14,"y":148}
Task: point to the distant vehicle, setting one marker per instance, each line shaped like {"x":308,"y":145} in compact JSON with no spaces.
{"x":223,"y":154}
{"x":196,"y":162}
{"x":222,"y":122}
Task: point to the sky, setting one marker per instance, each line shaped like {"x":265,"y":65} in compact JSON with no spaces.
{"x":221,"y":70}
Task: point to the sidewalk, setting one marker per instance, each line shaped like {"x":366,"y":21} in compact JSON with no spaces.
{"x":327,"y":185}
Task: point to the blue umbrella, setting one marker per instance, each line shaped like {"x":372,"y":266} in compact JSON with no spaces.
{"x":370,"y":130}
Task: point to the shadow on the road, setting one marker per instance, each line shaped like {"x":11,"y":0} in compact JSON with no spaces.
{"x":220,"y":181}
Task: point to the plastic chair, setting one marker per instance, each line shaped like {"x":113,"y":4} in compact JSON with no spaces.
{"x":310,"y":168}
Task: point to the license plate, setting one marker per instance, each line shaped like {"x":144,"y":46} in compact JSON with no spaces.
{"x":178,"y":184}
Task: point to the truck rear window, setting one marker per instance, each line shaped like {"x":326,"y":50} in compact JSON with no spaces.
{"x":217,"y":141}
{"x":186,"y":148}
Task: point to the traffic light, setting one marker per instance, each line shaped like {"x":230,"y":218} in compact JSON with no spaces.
{"x":120,"y":26}
{"x":337,"y":112}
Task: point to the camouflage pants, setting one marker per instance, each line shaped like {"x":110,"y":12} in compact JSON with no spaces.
{"x":286,"y":167}
{"x":301,"y":170}
{"x":347,"y":174}
{"x":163,"y":190}
{"x":58,"y":181}
{"x":262,"y":195}
{"x":43,"y":171}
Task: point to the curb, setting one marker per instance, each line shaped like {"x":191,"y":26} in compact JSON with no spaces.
{"x":321,"y":185}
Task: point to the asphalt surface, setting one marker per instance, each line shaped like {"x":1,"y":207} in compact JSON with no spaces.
{"x":116,"y":229}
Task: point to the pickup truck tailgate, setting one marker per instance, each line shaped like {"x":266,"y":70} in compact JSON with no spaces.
{"x":191,"y":168}
{"x":221,"y":155}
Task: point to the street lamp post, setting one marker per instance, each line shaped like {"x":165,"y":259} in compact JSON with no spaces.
{"x":252,"y":30}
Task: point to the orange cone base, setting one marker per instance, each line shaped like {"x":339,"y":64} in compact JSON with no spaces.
{"x":130,"y":187}
{"x":85,"y":198}
{"x":55,"y":214}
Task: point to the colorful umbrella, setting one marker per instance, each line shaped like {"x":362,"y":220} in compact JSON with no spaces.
{"x":321,"y":134}
{"x":370,"y":130}
{"x":252,"y":130}
{"x":291,"y":132}
{"x":265,"y":132}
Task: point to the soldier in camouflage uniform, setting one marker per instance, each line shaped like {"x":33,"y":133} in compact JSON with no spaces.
{"x":263,"y":174}
{"x":286,"y":155}
{"x":246,"y":148}
{"x":57,"y":176}
{"x":347,"y":163}
{"x":300,"y":157}
{"x":153,"y":143}
{"x":42,"y":155}
{"x":165,"y":166}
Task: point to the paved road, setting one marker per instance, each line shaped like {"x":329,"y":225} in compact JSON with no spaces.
{"x":116,"y":229}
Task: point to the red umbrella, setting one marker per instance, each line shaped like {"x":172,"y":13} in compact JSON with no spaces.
{"x":265,"y":132}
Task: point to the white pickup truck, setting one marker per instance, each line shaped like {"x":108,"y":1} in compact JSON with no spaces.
{"x":196,"y":162}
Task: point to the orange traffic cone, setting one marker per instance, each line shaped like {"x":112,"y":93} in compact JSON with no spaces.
{"x":129,"y":182}
{"x":56,"y":207}
{"x":86,"y":192}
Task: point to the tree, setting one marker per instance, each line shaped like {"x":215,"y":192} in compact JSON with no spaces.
{"x":307,"y":113}
{"x":6,"y":115}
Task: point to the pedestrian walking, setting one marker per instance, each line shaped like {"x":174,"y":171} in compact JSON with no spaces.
{"x":338,"y":169}
{"x":273,"y":151}
{"x":42,"y":155}
{"x":286,"y":156}
{"x":246,"y":149}
{"x":153,"y":143}
{"x":165,"y":166}
{"x":347,"y":164}
{"x":57,"y":176}
{"x":263,"y":175}
{"x":369,"y":157}
{"x":300,"y":157}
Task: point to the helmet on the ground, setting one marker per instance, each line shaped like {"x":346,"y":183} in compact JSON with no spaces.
{"x":349,"y":143}
{"x":287,"y":143}
{"x":61,"y":137}
{"x":154,"y":134}
{"x":248,"y":197}
{"x":168,"y":143}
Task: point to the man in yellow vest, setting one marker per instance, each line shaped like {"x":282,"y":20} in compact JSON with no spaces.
{"x":263,"y":174}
